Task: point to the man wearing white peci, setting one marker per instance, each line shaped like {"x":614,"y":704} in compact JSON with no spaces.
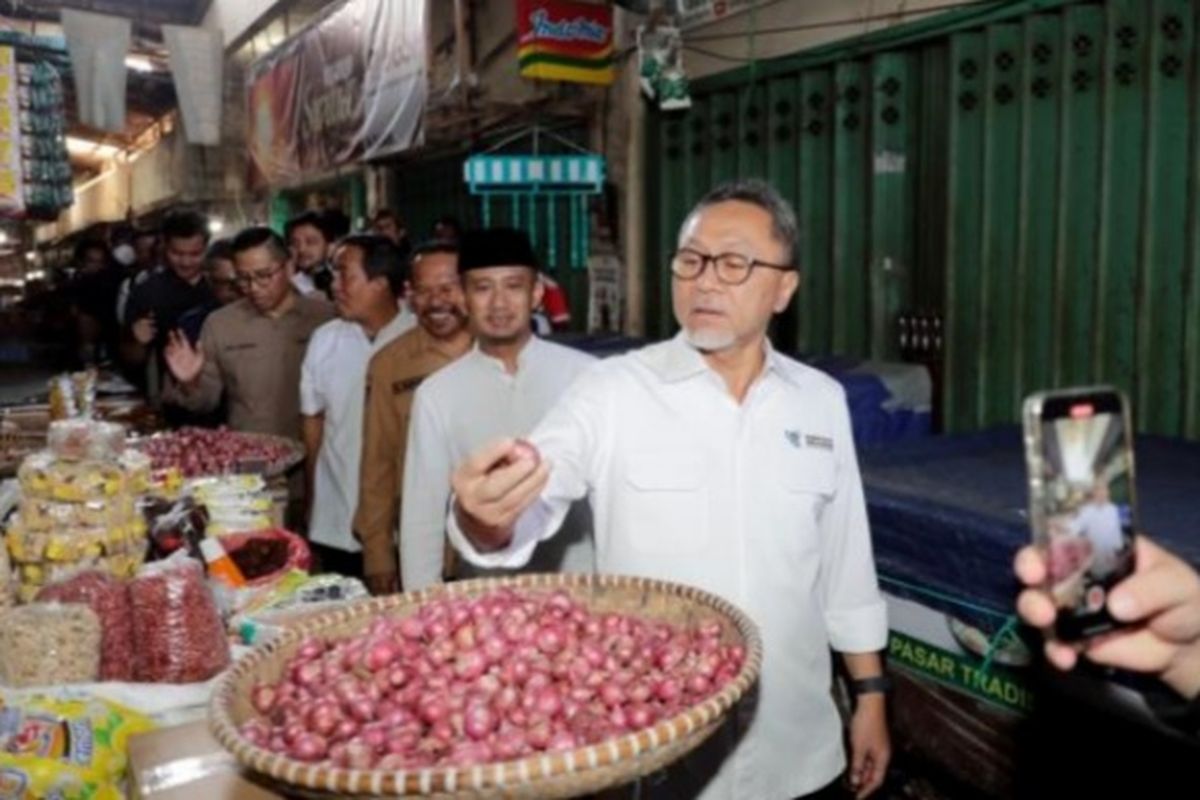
{"x":714,"y":461}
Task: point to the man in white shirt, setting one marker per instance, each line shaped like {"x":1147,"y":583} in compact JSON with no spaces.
{"x":502,"y":387}
{"x":1099,"y":520}
{"x":368,"y":272}
{"x":714,"y":461}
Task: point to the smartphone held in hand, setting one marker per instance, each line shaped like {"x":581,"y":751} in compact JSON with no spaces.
{"x":1082,"y":507}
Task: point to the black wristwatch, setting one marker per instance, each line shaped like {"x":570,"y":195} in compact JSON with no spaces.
{"x":880,"y":684}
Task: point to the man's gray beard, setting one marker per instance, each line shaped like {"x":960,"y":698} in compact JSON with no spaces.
{"x":709,"y":340}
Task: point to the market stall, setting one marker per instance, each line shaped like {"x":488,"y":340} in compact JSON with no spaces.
{"x":154,"y":610}
{"x":115,"y":616}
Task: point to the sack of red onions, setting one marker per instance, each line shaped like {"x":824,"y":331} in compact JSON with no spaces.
{"x":496,"y":677}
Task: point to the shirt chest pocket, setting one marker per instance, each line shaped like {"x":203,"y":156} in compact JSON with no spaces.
{"x":666,"y":503}
{"x":806,"y":472}
{"x":807,"y":482}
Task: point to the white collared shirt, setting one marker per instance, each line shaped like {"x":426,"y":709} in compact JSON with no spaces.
{"x":760,"y":503}
{"x":302,"y":282}
{"x":460,"y":408}
{"x":333,"y":383}
{"x":407,"y":320}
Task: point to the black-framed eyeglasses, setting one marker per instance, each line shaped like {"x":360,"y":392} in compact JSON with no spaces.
{"x":732,"y":269}
{"x":260,"y":278}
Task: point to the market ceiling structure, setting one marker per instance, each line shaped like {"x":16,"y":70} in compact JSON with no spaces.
{"x":150,"y":92}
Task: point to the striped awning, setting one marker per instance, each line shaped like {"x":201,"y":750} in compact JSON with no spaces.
{"x":532,"y":173}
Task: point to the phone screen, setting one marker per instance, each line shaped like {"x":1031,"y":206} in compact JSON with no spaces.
{"x":1086,"y":506}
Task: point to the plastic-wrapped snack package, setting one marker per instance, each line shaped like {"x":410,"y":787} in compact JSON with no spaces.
{"x":42,"y":515}
{"x":64,"y":546}
{"x":62,"y":398}
{"x":81,"y":439}
{"x":109,"y":599}
{"x":178,"y":630}
{"x":217,"y":485}
{"x":34,"y":474}
{"x":84,"y":384}
{"x":137,"y":470}
{"x":44,"y":476}
{"x":268,"y":612}
{"x":64,"y":748}
{"x":45,"y":644}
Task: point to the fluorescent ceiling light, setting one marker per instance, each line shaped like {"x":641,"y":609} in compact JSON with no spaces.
{"x":78,"y":146}
{"x":140,"y":64}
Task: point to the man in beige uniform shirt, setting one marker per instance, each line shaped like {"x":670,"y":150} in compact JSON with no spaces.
{"x":393,"y":376}
{"x":251,"y":350}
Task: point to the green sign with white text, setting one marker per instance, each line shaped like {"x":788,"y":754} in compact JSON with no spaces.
{"x":999,"y":686}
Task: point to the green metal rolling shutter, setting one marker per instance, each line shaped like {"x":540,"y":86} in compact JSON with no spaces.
{"x":1030,"y":170}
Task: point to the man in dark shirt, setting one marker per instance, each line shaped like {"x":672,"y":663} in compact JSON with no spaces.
{"x":221,"y":275}
{"x":93,"y":300}
{"x":156,"y":305}
{"x":310,"y":239}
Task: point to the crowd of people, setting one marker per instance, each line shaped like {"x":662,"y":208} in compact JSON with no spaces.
{"x":447,"y":438}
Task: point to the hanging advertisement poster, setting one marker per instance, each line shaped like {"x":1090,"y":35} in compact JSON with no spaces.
{"x":693,"y":13}
{"x":12,"y":200}
{"x":559,"y":40}
{"x":605,"y":298}
{"x":351,"y":87}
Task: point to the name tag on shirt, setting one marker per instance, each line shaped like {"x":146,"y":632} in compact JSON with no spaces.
{"x":819,"y":442}
{"x":797,"y":440}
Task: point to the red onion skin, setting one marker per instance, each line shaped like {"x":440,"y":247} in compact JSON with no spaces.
{"x":468,"y":681}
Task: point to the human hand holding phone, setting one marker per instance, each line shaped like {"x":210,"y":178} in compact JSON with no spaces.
{"x":1158,"y":604}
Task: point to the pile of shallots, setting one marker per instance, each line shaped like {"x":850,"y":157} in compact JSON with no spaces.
{"x":493,"y":678}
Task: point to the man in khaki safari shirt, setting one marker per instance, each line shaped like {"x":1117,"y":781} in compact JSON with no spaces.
{"x":251,"y":350}
{"x":393,"y":376}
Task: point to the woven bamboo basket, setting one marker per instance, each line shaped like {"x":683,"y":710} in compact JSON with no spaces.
{"x":555,"y":775}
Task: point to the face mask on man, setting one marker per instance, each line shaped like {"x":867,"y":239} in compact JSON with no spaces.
{"x":124,"y":254}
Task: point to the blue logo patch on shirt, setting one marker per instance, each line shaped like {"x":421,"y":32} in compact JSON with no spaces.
{"x":793,"y":438}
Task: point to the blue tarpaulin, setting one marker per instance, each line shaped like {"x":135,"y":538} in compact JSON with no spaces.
{"x":948,"y":513}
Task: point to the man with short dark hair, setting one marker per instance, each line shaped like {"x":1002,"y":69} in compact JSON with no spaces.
{"x":447,"y":228}
{"x":93,"y":298}
{"x":145,"y":246}
{"x":441,"y":336}
{"x":222,"y":278}
{"x":387,"y":222}
{"x":310,"y":238}
{"x":156,"y":304}
{"x":368,"y":273}
{"x":251,"y":350}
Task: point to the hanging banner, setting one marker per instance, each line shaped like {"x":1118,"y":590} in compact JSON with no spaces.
{"x":12,"y":198}
{"x":98,"y":44}
{"x":559,"y":40}
{"x":197,"y":61}
{"x":693,"y":13}
{"x":350,"y":88}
